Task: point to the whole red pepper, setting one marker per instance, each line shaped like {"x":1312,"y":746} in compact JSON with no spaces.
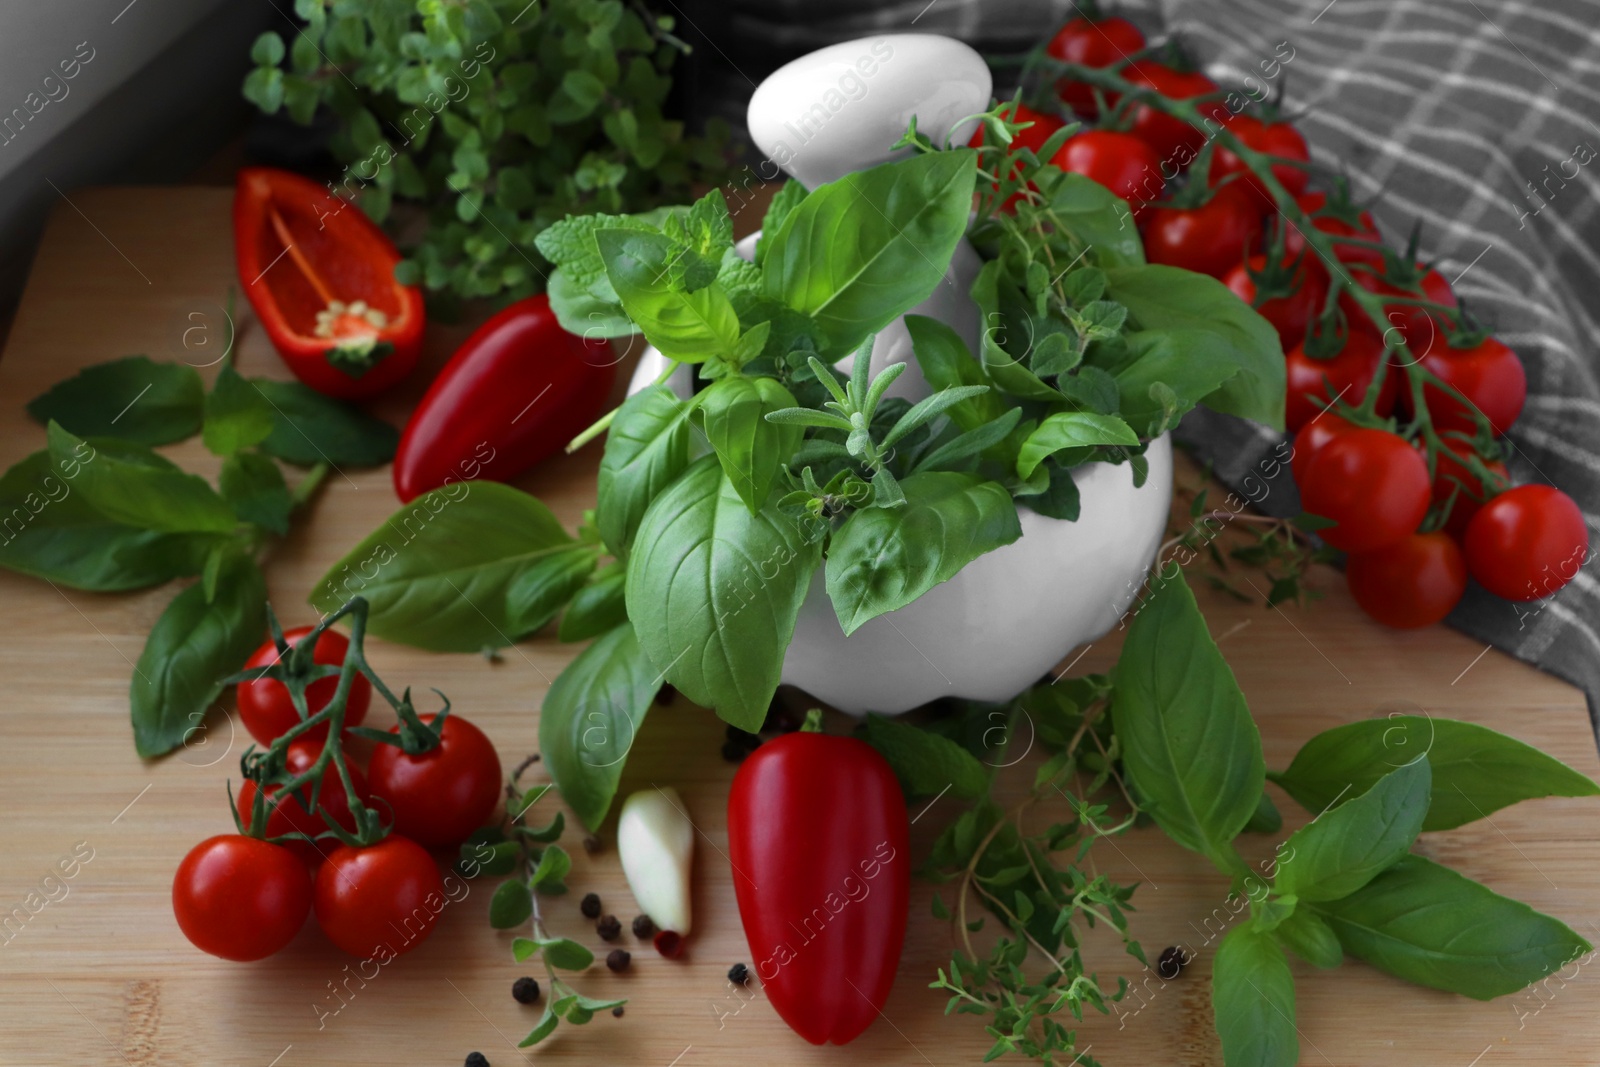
{"x":515,"y":392}
{"x":818,"y":839}
{"x":320,"y":275}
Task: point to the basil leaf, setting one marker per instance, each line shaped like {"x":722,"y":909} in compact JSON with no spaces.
{"x":511,"y":905}
{"x":1005,"y":323}
{"x":590,"y":717}
{"x":925,"y":763}
{"x":49,"y":531}
{"x":193,"y":646}
{"x":237,"y":415}
{"x":947,"y":362}
{"x":1476,"y":771}
{"x":597,"y":607}
{"x":859,"y":252}
{"x":1429,"y":925}
{"x":1343,"y":849}
{"x":750,"y":449}
{"x":545,"y":587}
{"x":1071,"y":429}
{"x":439,"y":573}
{"x":689,"y":327}
{"x":647,"y":448}
{"x":1266,"y":820}
{"x":1163,"y":375}
{"x":133,"y":486}
{"x":254,"y":487}
{"x":133,"y":398}
{"x":309,"y":428}
{"x":1189,"y":745}
{"x":1308,"y":937}
{"x":884,"y":558}
{"x":779,"y":208}
{"x":1096,"y":216}
{"x":1059,"y":500}
{"x":713,"y":592}
{"x":1211,"y":321}
{"x":1252,"y":998}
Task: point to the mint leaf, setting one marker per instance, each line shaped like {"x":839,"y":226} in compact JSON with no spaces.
{"x":133,"y":398}
{"x":925,"y":763}
{"x":689,"y":327}
{"x":1343,"y":849}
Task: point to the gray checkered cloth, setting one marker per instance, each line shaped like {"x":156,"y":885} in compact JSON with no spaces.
{"x":1471,"y":115}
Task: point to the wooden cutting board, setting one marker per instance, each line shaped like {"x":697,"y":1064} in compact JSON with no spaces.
{"x":101,"y":974}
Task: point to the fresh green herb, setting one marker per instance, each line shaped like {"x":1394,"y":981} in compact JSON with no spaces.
{"x":133,"y":398}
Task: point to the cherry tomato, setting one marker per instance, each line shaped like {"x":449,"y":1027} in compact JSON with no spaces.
{"x":1313,"y":384}
{"x":1175,"y":142}
{"x":1365,"y":227}
{"x":1209,"y":239}
{"x":292,"y":815}
{"x":1275,"y":139}
{"x":1419,"y":328}
{"x":1310,"y":439}
{"x":1372,"y":484}
{"x":442,"y":795}
{"x":1527,"y":542}
{"x":1450,"y":475}
{"x":381,"y":900}
{"x":1414,"y":582}
{"x":239,"y":897}
{"x":1288,"y":314}
{"x":1091,"y":43}
{"x":1119,"y":161}
{"x":264,"y":704}
{"x":1033,"y":137}
{"x":1489,"y":375}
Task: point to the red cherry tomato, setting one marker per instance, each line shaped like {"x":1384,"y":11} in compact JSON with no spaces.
{"x":1313,"y":384}
{"x":1372,"y":484}
{"x":1489,"y":375}
{"x":1175,"y":142}
{"x":1421,"y":329}
{"x":1209,"y":239}
{"x":1288,"y":314}
{"x":264,"y":704}
{"x":1414,"y":582}
{"x":1527,"y":542}
{"x":1275,"y":139}
{"x":440,"y":796}
{"x":1451,"y":476}
{"x":239,"y":897}
{"x":1119,"y":161}
{"x":1365,"y":227}
{"x":292,"y":815}
{"x":1310,"y":439}
{"x":381,"y":900}
{"x":1092,"y":43}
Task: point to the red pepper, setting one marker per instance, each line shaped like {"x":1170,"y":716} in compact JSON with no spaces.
{"x":818,"y":839}
{"x":320,"y":276}
{"x":515,"y":392}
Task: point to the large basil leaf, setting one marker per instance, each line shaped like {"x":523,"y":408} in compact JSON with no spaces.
{"x":590,"y":717}
{"x":193,"y":646}
{"x":1429,"y":925}
{"x":1071,"y":429}
{"x":861,"y":251}
{"x":131,"y":485}
{"x":237,"y":414}
{"x":647,"y":448}
{"x":1163,"y":374}
{"x":1097,"y":217}
{"x":713,"y":592}
{"x":1189,"y":745}
{"x":1476,"y":771}
{"x":309,"y":428}
{"x":1342,"y":850}
{"x":884,"y":558}
{"x":254,"y":487}
{"x":440,"y":574}
{"x":1210,"y":321}
{"x":750,"y":449}
{"x":1252,"y":999}
{"x":49,"y":531}
{"x":133,"y":398}
{"x":689,"y":327}
{"x":546,"y":586}
{"x":947,"y":363}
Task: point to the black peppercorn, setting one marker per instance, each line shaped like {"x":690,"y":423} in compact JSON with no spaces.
{"x":734,"y":752}
{"x":590,"y":906}
{"x":643,"y":928}
{"x":666,"y":695}
{"x":616,"y":1012}
{"x":608,"y":928}
{"x":738,"y":974}
{"x":591,"y":844}
{"x":477,"y":1059}
{"x":618,"y":959}
{"x":525,"y":990}
{"x":1171,"y":962}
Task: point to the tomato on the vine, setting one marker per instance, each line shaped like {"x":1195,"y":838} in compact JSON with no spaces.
{"x":1173,"y":139}
{"x":1489,"y":375}
{"x":1527,"y":542}
{"x":239,"y":897}
{"x":1371,"y":484}
{"x":1452,"y":476}
{"x":1091,"y":43}
{"x":1209,"y":239}
{"x":440,"y":796}
{"x":1119,"y":161}
{"x":1310,"y":439}
{"x":1312,"y":384}
{"x":1360,"y":225}
{"x":1420,"y":328}
{"x":293,"y":814}
{"x":264,"y":704}
{"x":379,"y":900}
{"x":1416,"y":581}
{"x":1289,"y":313}
{"x":1273,"y":138}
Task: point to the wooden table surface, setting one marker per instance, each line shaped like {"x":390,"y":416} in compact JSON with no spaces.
{"x":101,"y":974}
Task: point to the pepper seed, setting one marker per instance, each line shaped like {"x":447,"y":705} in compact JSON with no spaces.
{"x":616,"y":1012}
{"x":1171,"y":962}
{"x":525,"y":990}
{"x":739,"y":974}
{"x":590,"y":906}
{"x":643,"y":928}
{"x":477,"y":1059}
{"x":608,"y":928}
{"x":617,"y":960}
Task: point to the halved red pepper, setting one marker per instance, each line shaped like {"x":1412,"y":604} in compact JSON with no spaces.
{"x":515,"y":392}
{"x":818,"y":839}
{"x":320,"y":275}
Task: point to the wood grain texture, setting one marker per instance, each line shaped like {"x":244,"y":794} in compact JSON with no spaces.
{"x":101,"y":974}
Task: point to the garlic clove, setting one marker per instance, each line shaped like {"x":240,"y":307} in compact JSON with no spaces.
{"x":655,"y":840}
